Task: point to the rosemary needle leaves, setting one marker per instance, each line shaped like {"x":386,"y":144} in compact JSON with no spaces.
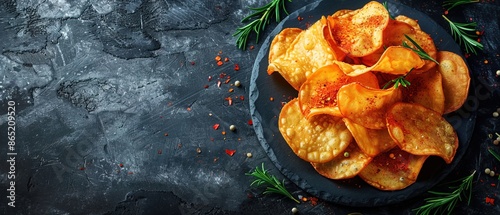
{"x":260,"y":18}
{"x":444,"y":202}
{"x":464,"y":34}
{"x":419,"y":50}
{"x":262,"y":177}
{"x":401,"y":80}
{"x":449,"y":4}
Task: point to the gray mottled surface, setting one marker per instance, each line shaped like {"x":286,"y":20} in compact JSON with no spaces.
{"x":101,"y":83}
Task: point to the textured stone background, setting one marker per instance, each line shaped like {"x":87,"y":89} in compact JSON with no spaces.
{"x":102,"y":83}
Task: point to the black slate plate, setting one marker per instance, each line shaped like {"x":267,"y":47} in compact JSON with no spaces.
{"x":353,"y":192}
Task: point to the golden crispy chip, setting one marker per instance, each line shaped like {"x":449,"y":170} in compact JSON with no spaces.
{"x":393,"y":170}
{"x":425,"y":41}
{"x":318,"y":139}
{"x":421,"y":131}
{"x":366,"y":106}
{"x":318,"y":95}
{"x":359,"y":32}
{"x":456,"y":80}
{"x":413,"y":23}
{"x":282,"y":41}
{"x":307,"y":53}
{"x":371,"y":141}
{"x":395,"y":60}
{"x":344,"y":166}
{"x":425,"y":89}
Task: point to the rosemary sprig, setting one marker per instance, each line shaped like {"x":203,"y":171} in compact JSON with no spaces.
{"x":453,"y":3}
{"x":262,"y":177}
{"x":260,"y":18}
{"x":401,"y":80}
{"x":463,"y":33}
{"x":444,"y":202}
{"x":387,"y":8}
{"x":419,"y":50}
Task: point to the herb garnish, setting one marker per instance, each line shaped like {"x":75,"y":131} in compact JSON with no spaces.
{"x":463,"y":33}
{"x":419,"y":50}
{"x":260,"y":18}
{"x":387,"y":8}
{"x":262,"y":177}
{"x":401,"y":80}
{"x":453,"y":3}
{"x":444,"y":202}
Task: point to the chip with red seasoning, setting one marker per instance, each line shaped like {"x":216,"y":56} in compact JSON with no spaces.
{"x":318,"y":95}
{"x":367,"y":106}
{"x":371,"y":141}
{"x":422,"y":131}
{"x":456,"y":79}
{"x":393,"y":170}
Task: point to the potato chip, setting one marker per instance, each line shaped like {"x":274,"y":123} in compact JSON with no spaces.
{"x":344,"y":166}
{"x":413,"y":23}
{"x":371,"y":141}
{"x":359,"y":32}
{"x":393,"y":170}
{"x":366,"y":106}
{"x":318,"y":139}
{"x":425,"y":89}
{"x":456,"y":80}
{"x":307,"y":53}
{"x":421,"y":131}
{"x":395,"y":60}
{"x":318,"y":95}
{"x":281,"y":42}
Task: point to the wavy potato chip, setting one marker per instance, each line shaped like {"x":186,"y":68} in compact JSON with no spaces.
{"x":366,"y":106}
{"x":456,"y":79}
{"x":395,"y":60}
{"x":318,"y":95}
{"x":425,"y":89}
{"x":308,"y":52}
{"x":344,"y":166}
{"x":318,"y":139}
{"x":393,"y":170}
{"x":281,"y":42}
{"x":359,"y":32}
{"x":370,"y":141}
{"x":422,"y":131}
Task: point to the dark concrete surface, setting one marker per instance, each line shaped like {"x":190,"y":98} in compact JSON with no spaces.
{"x":115,"y":105}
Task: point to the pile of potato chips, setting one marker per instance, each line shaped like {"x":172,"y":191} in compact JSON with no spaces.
{"x":344,"y":122}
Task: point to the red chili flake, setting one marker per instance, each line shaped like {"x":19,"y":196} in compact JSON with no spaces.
{"x":160,"y":151}
{"x":493,"y":184}
{"x":314,"y":201}
{"x":165,"y":134}
{"x":230,"y":152}
{"x":271,"y":99}
{"x":206,"y":86}
{"x":236,"y":67}
{"x":216,"y":126}
{"x":300,"y":18}
{"x":242,"y":98}
{"x":226,"y":59}
{"x":229,"y":100}
{"x":231,"y":90}
{"x":188,"y":108}
{"x":227,"y":81}
{"x":223,"y":132}
{"x":218,"y":83}
{"x":217,"y":58}
{"x":490,"y":201}
{"x":446,"y":12}
{"x":209,"y":78}
{"x":251,"y":47}
{"x":121,"y":165}
{"x":192,"y":62}
{"x":250,"y":122}
{"x":219,"y":63}
{"x":222,"y":75}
